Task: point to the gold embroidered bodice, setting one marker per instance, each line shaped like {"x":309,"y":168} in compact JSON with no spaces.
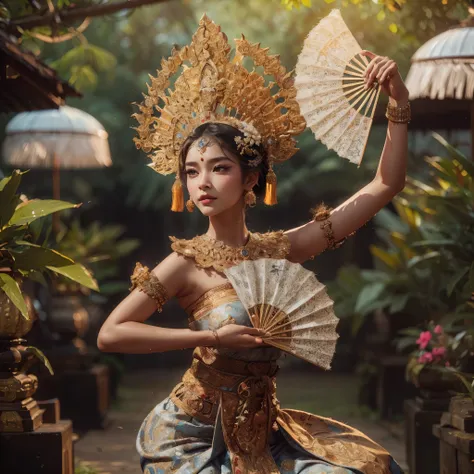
{"x":210,"y":253}
{"x":218,"y":307}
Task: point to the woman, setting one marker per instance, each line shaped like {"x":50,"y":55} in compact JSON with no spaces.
{"x":224,"y":416}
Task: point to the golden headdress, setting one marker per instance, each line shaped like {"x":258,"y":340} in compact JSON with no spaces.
{"x":213,"y":87}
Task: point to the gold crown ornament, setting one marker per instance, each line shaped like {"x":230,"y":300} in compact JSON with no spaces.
{"x":212,"y":86}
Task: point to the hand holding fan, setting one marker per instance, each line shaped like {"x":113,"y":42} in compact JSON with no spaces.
{"x":287,"y":301}
{"x":330,"y":88}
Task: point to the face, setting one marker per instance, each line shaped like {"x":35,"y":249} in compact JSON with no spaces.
{"x":214,"y":178}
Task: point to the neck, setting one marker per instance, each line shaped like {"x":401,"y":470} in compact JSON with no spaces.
{"x":229,"y":226}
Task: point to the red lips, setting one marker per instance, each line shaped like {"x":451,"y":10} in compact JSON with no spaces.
{"x":206,"y":196}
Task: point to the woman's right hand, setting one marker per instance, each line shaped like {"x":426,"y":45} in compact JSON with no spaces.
{"x":235,"y":336}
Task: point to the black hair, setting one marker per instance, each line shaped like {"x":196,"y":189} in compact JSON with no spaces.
{"x":225,"y":136}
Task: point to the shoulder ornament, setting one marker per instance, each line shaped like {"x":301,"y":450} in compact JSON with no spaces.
{"x":210,"y":253}
{"x":149,"y":283}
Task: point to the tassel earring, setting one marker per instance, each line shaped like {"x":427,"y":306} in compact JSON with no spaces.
{"x":250,"y":199}
{"x":271,"y":188}
{"x":177,"y":200}
{"x":190,"y":205}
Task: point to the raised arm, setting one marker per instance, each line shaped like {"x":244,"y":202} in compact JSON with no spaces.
{"x":124,"y":330}
{"x":329,"y":228}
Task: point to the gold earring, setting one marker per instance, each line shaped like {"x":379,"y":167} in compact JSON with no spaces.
{"x":190,"y":205}
{"x":250,"y":198}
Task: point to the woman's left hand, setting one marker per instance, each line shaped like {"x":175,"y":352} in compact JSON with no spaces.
{"x":385,"y":71}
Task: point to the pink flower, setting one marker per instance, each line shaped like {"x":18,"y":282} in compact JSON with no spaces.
{"x":447,"y":364}
{"x":438,"y":329}
{"x":424,"y":339}
{"x":439,"y":352}
{"x":425,"y":358}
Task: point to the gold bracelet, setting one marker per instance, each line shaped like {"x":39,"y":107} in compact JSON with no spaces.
{"x":218,"y":341}
{"x":398,"y":114}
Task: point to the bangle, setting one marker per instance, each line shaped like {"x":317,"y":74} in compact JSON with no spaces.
{"x":218,"y":341}
{"x":398,"y":114}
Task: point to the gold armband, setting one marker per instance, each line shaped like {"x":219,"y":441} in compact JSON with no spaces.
{"x":323,"y":213}
{"x":149,"y":283}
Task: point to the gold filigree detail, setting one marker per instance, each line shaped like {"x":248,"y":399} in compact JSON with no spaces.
{"x":323,"y":213}
{"x":213,"y":87}
{"x":149,"y":283}
{"x":210,"y":253}
{"x":249,"y":409}
{"x":211,"y":299}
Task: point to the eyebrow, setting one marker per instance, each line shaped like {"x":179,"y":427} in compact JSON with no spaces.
{"x":211,"y":161}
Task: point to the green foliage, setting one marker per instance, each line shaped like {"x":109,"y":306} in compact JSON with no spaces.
{"x":99,"y":247}
{"x":290,"y":4}
{"x":424,"y":266}
{"x":40,"y":356}
{"x":20,"y":256}
{"x":83,"y":64}
{"x":83,"y":469}
{"x":120,"y":50}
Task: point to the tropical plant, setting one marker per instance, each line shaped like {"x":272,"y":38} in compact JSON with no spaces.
{"x":21,"y":256}
{"x":100,"y":248}
{"x":425,"y":264}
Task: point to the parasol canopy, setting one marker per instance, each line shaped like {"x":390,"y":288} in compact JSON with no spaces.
{"x":443,"y":70}
{"x":444,"y":66}
{"x":65,"y":138}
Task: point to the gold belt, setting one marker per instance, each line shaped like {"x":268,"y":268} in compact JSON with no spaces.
{"x":245,"y":392}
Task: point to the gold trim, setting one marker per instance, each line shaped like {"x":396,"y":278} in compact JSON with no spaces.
{"x":210,"y":253}
{"x":149,"y":283}
{"x":210,"y":299}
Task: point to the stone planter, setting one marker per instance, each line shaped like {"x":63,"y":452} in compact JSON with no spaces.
{"x":19,"y":412}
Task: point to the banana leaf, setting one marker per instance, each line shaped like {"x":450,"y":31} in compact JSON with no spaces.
{"x":12,"y":290}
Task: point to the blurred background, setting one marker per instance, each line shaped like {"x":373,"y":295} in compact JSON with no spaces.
{"x":402,"y":285}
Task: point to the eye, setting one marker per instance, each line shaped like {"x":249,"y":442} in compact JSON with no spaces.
{"x":221,"y":168}
{"x":191,"y":172}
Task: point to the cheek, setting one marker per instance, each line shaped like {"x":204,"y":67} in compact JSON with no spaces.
{"x":229,"y":181}
{"x":192,"y":187}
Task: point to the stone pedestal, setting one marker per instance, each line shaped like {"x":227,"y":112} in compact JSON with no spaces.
{"x":422,"y":447}
{"x":18,"y":409}
{"x":83,"y":394}
{"x":456,"y":437}
{"x":48,"y":450}
{"x":52,"y":411}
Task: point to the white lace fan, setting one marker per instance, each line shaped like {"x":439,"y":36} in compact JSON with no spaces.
{"x":330,"y":88}
{"x":287,"y":301}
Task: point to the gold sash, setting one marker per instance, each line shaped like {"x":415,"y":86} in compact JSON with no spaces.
{"x":244,"y":394}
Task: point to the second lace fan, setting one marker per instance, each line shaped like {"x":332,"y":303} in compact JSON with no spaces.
{"x":289,"y":303}
{"x":330,"y":88}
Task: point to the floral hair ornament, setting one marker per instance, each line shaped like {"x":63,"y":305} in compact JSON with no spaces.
{"x":214,"y":87}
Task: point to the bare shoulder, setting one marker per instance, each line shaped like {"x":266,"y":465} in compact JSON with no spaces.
{"x":173,"y":272}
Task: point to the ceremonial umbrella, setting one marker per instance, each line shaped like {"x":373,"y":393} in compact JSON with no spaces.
{"x":57,"y":138}
{"x":443,"y":70}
